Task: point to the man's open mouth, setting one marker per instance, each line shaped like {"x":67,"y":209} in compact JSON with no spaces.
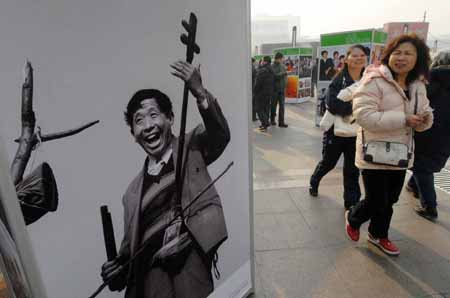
{"x":153,"y":140}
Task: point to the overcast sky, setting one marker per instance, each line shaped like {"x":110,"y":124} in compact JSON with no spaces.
{"x":322,"y":16}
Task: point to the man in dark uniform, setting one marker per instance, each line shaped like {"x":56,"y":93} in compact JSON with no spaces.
{"x":279,"y":71}
{"x":264,"y":92}
{"x":179,"y":259}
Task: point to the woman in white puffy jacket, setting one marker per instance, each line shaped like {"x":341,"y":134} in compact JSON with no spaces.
{"x":389,"y":104}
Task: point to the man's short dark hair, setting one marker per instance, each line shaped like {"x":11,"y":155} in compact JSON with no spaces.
{"x":323,"y":52}
{"x":335,"y":52}
{"x":278,"y":55}
{"x":163,"y":101}
{"x":267,"y":59}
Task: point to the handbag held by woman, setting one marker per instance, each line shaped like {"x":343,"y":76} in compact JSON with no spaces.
{"x":389,"y":153}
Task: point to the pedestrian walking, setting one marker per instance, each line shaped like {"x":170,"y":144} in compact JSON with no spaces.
{"x":389,"y":105}
{"x":334,"y":145}
{"x":432,"y":148}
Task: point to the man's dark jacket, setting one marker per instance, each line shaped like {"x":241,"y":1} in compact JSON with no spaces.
{"x":432,"y":147}
{"x":264,"y":89}
{"x":279,"y":71}
{"x":204,"y":219}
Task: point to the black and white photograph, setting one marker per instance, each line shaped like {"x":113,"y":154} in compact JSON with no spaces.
{"x":130,"y":160}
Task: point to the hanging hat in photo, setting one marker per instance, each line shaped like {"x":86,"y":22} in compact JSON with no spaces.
{"x":38,"y":193}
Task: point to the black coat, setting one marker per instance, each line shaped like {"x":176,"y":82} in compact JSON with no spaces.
{"x":264,"y":89}
{"x":253,"y":75}
{"x":334,"y":105}
{"x":324,"y":65}
{"x":433,"y":146}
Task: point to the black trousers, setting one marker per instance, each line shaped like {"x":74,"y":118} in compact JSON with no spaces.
{"x":263,"y":110}
{"x":253,"y":108}
{"x":333,"y":147}
{"x":278,"y":100}
{"x":383,"y":188}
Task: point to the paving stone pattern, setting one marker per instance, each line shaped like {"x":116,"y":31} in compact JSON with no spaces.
{"x":301,"y":249}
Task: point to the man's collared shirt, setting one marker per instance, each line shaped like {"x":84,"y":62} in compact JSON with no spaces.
{"x":154,"y":167}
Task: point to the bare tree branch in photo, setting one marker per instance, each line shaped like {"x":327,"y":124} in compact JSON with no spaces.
{"x":28,"y":124}
{"x":37,"y":192}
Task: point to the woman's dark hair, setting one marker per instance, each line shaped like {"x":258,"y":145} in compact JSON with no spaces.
{"x":422,"y":66}
{"x":349,"y":51}
{"x":163,"y":101}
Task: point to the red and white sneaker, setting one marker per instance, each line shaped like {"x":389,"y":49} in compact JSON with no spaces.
{"x":385,"y":245}
{"x":352,"y":233}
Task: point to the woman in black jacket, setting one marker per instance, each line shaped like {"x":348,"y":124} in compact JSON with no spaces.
{"x":334,"y":146}
{"x":433,"y":146}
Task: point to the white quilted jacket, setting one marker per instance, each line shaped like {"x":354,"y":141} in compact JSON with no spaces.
{"x":380,"y":107}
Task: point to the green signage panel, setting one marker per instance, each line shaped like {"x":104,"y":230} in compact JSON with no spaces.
{"x":294,"y":51}
{"x":380,"y":37}
{"x":346,"y":38}
{"x":306,"y":51}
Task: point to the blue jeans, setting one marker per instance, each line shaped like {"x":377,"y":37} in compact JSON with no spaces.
{"x":423,"y":184}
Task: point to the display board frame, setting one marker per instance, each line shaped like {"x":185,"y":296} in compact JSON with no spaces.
{"x":332,"y":50}
{"x":299,"y":65}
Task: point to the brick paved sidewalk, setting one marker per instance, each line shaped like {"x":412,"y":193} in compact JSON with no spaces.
{"x":300,"y":246}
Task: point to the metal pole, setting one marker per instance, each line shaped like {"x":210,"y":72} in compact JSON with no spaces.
{"x":294,"y":36}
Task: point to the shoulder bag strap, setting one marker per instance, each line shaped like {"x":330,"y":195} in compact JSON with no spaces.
{"x":416,"y":103}
{"x":363,"y":139}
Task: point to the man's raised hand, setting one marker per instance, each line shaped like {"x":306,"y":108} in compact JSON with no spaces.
{"x":191,"y":75}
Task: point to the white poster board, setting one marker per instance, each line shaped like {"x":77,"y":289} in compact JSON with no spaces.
{"x":332,"y":51}
{"x":299,"y":64}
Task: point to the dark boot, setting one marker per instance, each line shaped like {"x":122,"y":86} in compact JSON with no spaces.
{"x":427,"y":212}
{"x":313,"y":190}
{"x":412,"y":188}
